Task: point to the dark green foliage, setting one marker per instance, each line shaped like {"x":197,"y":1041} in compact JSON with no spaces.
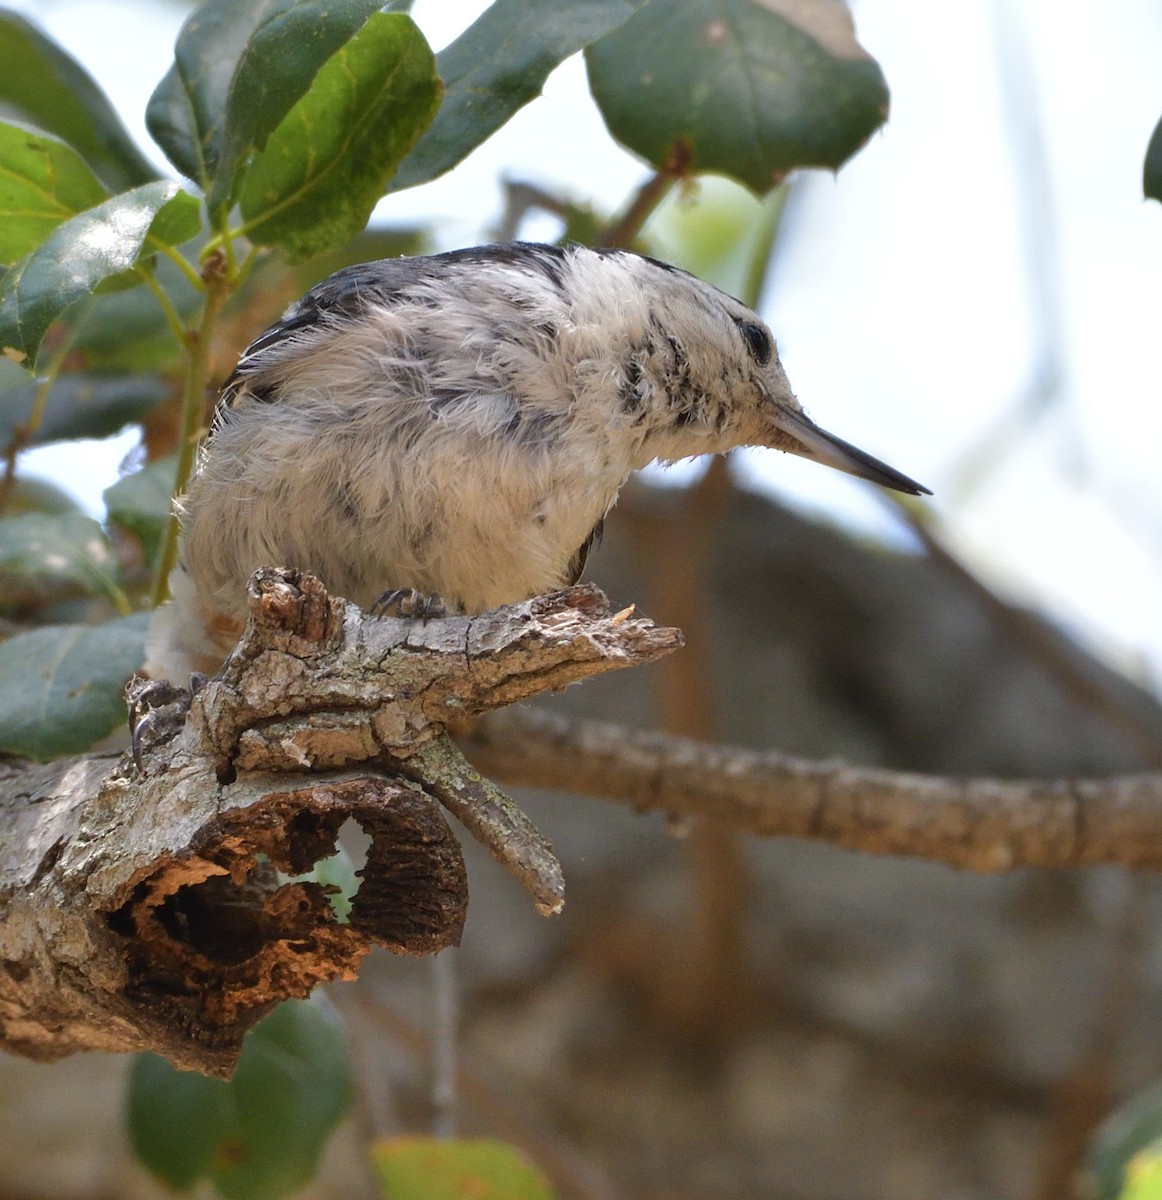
{"x":733,"y":86}
{"x":258,"y":1136}
{"x":60,"y":686}
{"x":497,"y":66}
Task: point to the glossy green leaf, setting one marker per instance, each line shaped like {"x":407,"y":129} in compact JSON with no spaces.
{"x":60,"y":686}
{"x":258,"y":1136}
{"x":276,"y":69}
{"x":324,"y":168}
{"x":747,"y":88}
{"x":83,"y":253}
{"x":187,"y":110}
{"x":49,"y":87}
{"x":42,"y":183}
{"x":79,"y":406}
{"x":422,"y":1168}
{"x":141,"y":503}
{"x":497,"y":66}
{"x":179,"y":220}
{"x":69,"y":547}
{"x":1152,"y":171}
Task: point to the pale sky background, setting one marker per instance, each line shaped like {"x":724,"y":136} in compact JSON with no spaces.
{"x":999,"y":211}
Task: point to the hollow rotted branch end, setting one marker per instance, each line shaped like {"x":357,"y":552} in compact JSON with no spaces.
{"x":179,"y":937}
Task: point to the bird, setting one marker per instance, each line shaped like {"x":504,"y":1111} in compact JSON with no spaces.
{"x":458,"y":426}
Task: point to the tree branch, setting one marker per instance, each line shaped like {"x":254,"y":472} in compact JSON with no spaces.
{"x":983,"y":825}
{"x":156,"y":906}
{"x":151,"y":906}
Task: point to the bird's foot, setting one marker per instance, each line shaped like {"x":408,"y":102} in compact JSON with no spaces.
{"x":157,"y":709}
{"x":409,"y":603}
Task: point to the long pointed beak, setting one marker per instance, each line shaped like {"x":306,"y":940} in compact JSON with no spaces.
{"x":817,"y":444}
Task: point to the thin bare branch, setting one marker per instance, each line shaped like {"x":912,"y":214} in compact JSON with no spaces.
{"x":983,"y":825}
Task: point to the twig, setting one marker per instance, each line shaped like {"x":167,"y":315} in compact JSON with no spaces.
{"x":26,"y":430}
{"x":980,"y":825}
{"x":219,"y":283}
{"x":521,"y":198}
{"x":625,"y":228}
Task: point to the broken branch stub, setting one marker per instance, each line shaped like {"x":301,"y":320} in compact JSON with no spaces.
{"x":153,"y":908}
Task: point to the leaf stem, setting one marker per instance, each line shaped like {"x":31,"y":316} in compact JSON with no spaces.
{"x":622,"y":233}
{"x":119,"y":599}
{"x":182,"y":263}
{"x":172,"y":316}
{"x":243,"y":272}
{"x":624,"y":230}
{"x":219,"y":283}
{"x":26,"y":430}
{"x":759,"y":265}
{"x":227,"y":248}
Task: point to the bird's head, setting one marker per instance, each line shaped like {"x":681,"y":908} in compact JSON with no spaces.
{"x":698,"y":371}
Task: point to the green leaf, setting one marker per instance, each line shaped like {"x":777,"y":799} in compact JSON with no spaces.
{"x":1152,"y":171}
{"x":747,"y":88}
{"x":126,"y":332}
{"x":178,"y":1120}
{"x":42,"y":183}
{"x":179,"y":220}
{"x":79,"y":406}
{"x":275,"y":71}
{"x":496,"y":66}
{"x":60,"y":686}
{"x":49,"y":87}
{"x":30,"y":493}
{"x":83,"y":253}
{"x":337,"y":876}
{"x":719,"y":236}
{"x":1134,"y":1127}
{"x":328,"y":163}
{"x":422,"y":1168}
{"x":1144,"y":1175}
{"x":68,"y":547}
{"x":292,"y":1086}
{"x":187,"y":110}
{"x":141,"y":503}
{"x":258,"y":1136}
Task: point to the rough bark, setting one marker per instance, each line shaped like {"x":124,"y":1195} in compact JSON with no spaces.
{"x":149,"y":905}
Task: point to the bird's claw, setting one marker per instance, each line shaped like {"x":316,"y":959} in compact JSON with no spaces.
{"x":157,"y":709}
{"x":409,"y":603}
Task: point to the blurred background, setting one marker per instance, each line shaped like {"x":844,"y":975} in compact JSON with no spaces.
{"x":972,"y":299}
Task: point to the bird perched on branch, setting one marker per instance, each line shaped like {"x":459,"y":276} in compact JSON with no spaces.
{"x":459,"y":426}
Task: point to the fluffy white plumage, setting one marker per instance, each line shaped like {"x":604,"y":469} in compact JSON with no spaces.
{"x":460,"y":424}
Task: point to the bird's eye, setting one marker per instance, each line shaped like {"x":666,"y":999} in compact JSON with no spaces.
{"x":758,"y":341}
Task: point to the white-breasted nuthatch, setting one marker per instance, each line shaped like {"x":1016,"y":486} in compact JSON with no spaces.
{"x":460,"y":424}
